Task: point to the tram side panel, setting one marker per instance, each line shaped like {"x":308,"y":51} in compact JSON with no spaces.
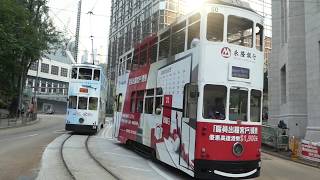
{"x":174,"y":139}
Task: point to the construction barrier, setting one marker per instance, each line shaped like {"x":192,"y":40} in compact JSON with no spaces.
{"x":275,"y":137}
{"x":310,"y":150}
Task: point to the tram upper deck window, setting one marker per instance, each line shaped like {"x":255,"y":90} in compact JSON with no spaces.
{"x":240,"y":31}
{"x":259,"y":37}
{"x":178,"y":38}
{"x":85,"y":73}
{"x":96,"y":75}
{"x":215,"y":27}
{"x":193,"y":29}
{"x":238,"y":108}
{"x":255,"y":106}
{"x":214,"y":102}
{"x":74,"y":73}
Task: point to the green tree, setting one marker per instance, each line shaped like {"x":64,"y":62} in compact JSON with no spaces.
{"x":26,"y":33}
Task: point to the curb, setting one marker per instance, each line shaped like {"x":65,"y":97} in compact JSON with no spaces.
{"x":22,"y":125}
{"x":299,"y":161}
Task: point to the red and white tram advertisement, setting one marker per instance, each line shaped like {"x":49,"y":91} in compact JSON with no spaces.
{"x":192,"y":93}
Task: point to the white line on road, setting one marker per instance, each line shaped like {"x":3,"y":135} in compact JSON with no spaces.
{"x":20,"y":137}
{"x":161,"y":173}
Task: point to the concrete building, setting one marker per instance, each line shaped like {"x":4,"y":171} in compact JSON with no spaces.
{"x":294,"y":73}
{"x":51,"y":75}
{"x":132,"y":21}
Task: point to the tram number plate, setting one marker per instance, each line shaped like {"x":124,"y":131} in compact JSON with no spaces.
{"x":215,"y":9}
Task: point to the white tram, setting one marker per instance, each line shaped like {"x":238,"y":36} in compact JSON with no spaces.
{"x":86,"y":99}
{"x":193,"y":92}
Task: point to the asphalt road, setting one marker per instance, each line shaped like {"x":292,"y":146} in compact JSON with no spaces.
{"x":21,"y":148}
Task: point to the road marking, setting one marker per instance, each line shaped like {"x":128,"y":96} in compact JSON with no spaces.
{"x":59,"y":131}
{"x":123,"y":155}
{"x":159,"y":171}
{"x":139,"y":169}
{"x":20,"y":137}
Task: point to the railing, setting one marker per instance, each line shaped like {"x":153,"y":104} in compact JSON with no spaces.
{"x":275,"y":137}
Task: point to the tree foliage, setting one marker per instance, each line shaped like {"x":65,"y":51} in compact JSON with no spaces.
{"x":26,"y":33}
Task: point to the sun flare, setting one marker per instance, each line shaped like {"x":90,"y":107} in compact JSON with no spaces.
{"x":193,"y":4}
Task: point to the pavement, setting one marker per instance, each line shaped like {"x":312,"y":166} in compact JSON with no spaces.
{"x":287,"y":156}
{"x":16,"y":122}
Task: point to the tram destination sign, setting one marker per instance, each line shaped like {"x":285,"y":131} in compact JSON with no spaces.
{"x":239,"y":72}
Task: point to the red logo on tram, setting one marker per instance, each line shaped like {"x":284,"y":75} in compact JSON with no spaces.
{"x":226,"y":52}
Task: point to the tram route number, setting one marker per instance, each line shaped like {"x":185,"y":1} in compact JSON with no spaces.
{"x":215,"y":9}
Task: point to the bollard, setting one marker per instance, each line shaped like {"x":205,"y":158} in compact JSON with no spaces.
{"x":294,"y":147}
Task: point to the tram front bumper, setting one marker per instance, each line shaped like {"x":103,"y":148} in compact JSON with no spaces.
{"x":81,"y":128}
{"x":209,"y":169}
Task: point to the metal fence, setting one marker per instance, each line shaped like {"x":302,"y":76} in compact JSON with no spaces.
{"x":6,"y":121}
{"x":275,"y":137}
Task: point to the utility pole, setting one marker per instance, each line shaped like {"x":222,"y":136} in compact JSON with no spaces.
{"x":91,"y":36}
{"x":77,"y":32}
{"x":92,"y":49}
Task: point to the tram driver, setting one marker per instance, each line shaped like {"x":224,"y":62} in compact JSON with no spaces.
{"x":218,"y":110}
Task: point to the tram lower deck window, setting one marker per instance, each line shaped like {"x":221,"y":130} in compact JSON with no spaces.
{"x":255,"y":106}
{"x":93,"y":103}
{"x":214,"y":102}
{"x":72,"y":102}
{"x":238,"y":109}
{"x":83,"y":103}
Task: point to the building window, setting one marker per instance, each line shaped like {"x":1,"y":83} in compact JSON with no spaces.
{"x":44,"y":68}
{"x":64,"y":72}
{"x":49,"y":87}
{"x":34,"y":66}
{"x":283,"y":84}
{"x":54,"y":70}
{"x":43,"y":87}
{"x":54,"y":89}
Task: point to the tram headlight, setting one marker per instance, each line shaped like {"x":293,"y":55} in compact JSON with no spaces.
{"x":238,"y":149}
{"x":81,"y":120}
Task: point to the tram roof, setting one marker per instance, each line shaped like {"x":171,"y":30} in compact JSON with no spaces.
{"x":234,"y":3}
{"x":89,"y":65}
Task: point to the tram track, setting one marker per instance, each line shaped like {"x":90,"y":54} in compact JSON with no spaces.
{"x":74,"y":152}
{"x":98,"y":162}
{"x":63,"y":160}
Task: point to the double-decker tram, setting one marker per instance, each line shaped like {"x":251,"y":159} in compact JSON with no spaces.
{"x":86,"y":99}
{"x":193,"y":92}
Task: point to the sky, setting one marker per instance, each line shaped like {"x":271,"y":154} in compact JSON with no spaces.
{"x":64,"y":15}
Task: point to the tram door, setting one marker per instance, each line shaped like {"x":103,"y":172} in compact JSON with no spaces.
{"x":188,"y":126}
